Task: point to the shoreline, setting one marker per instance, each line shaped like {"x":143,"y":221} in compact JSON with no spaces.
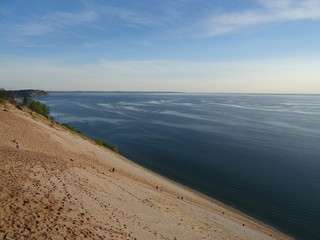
{"x":161,"y":199}
{"x":245,"y":218}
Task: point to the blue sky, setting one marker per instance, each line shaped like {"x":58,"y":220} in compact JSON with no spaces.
{"x":260,"y":46}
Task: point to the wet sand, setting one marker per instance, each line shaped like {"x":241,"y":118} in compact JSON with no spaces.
{"x":60,"y":185}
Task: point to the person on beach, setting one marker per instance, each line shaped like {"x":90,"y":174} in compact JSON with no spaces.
{"x":17,"y":144}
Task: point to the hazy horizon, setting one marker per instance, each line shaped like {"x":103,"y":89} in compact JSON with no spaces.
{"x":178,"y":92}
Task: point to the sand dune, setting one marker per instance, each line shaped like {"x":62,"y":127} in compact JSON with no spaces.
{"x":59,"y":185}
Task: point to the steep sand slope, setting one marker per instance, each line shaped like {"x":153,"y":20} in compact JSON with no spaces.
{"x":58,"y":185}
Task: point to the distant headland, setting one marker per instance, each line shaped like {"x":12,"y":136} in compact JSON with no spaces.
{"x":28,"y":93}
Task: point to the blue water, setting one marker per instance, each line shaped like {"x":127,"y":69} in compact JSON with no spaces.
{"x":257,"y":153}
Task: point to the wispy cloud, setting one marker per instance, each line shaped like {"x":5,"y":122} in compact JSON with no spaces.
{"x":172,"y":19}
{"x":128,"y":16}
{"x":53,"y":22}
{"x":271,"y":11}
{"x":97,"y":19}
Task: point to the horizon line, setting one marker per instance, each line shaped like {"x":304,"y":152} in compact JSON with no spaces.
{"x":178,"y":92}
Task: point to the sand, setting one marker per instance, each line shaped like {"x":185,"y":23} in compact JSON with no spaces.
{"x":60,"y":185}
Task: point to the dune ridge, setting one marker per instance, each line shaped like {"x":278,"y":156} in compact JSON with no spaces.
{"x":60,"y":185}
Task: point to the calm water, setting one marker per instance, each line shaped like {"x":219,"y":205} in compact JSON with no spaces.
{"x":257,"y":153}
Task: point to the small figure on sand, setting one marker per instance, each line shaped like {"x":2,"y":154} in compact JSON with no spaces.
{"x":17,"y":144}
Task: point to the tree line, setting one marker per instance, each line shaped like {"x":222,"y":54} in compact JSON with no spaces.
{"x":34,"y":105}
{"x":37,"y":106}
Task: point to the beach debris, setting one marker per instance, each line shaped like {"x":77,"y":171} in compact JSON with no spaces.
{"x":112,"y":169}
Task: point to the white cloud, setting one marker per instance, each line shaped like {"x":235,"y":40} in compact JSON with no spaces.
{"x":129,"y":17}
{"x":272,"y":11}
{"x":56,"y":21}
{"x":276,"y":4}
{"x":171,"y":19}
{"x":18,"y":31}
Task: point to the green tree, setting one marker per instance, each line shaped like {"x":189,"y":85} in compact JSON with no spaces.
{"x":39,"y":107}
{"x":25,"y":101}
{"x":2,"y":93}
{"x":72,"y":128}
{"x":104,"y":144}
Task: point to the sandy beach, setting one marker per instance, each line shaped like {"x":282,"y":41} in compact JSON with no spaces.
{"x":56,"y":184}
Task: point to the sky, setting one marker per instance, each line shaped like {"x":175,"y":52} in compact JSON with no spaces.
{"x":219,"y":46}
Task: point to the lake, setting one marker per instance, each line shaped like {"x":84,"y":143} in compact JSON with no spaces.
{"x":259,"y":153}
